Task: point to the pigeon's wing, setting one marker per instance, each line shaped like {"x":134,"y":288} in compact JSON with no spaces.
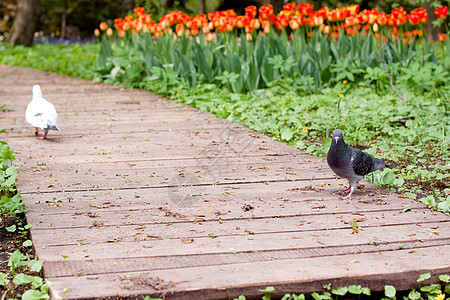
{"x":41,"y":114}
{"x":50,"y":114}
{"x":362,"y":163}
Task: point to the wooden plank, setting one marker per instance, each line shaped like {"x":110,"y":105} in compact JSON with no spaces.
{"x":302,"y":275}
{"x":145,"y":240}
{"x":139,"y":195}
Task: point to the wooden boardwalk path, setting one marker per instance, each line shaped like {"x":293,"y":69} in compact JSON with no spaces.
{"x":138,"y":195}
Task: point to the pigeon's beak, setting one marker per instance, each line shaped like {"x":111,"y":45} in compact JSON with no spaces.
{"x":336,"y":139}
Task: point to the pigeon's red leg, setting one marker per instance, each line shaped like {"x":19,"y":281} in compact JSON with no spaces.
{"x":45,"y":135}
{"x":347,"y":190}
{"x":349,"y":196}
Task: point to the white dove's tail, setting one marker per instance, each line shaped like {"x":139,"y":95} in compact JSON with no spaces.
{"x":51,"y":127}
{"x":37,"y":91}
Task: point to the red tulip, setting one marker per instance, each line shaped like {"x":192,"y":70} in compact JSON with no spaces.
{"x":414,"y":19}
{"x":139,"y":11}
{"x":353,"y":9}
{"x":441,"y":12}
{"x":265,"y":11}
{"x":442,"y":37}
{"x":292,"y":7}
{"x":305,"y":8}
{"x":251,"y":11}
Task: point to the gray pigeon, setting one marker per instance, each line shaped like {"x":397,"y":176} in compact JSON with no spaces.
{"x":41,"y":114}
{"x":350,"y":163}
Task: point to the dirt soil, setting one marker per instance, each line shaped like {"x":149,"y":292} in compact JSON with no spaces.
{"x":10,"y":242}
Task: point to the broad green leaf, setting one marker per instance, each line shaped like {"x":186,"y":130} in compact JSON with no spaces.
{"x":355,"y":289}
{"x":11,"y":228}
{"x":366,"y":291}
{"x":4,"y":279}
{"x":432,"y":289}
{"x":35,"y":265}
{"x":389,"y":291}
{"x":424,"y":277}
{"x":27,"y":243}
{"x":269,"y":289}
{"x":286,"y":134}
{"x":414,"y":295}
{"x":341,"y":291}
{"x":35,"y":295}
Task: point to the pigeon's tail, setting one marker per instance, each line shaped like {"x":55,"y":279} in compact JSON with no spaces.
{"x":379,"y":164}
{"x":51,"y":127}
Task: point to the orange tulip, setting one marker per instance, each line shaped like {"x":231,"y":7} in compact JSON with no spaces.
{"x":266,"y":11}
{"x":109,"y":32}
{"x":442,"y":37}
{"x":179,"y":29}
{"x":295,"y":22}
{"x":103,"y":26}
{"x":255,"y":24}
{"x":251,"y":11}
{"x":292,"y":7}
{"x":121,"y":33}
{"x":353,"y":9}
{"x":139,"y":11}
{"x":382,"y":18}
{"x":97,"y":32}
{"x":305,"y":8}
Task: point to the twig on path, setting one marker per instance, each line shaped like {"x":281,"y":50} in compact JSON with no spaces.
{"x":389,"y":76}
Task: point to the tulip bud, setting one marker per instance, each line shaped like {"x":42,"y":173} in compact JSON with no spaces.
{"x":249,"y":37}
{"x":97,"y":32}
{"x":209,"y":37}
{"x":121,"y":33}
{"x":375,"y":27}
{"x":294,"y":24}
{"x":103,"y":26}
{"x":109,"y":32}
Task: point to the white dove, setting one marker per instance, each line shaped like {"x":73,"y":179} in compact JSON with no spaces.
{"x":41,"y":113}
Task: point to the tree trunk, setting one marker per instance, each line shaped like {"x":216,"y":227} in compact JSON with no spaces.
{"x":22,"y":30}
{"x":203,"y":6}
{"x":127,"y":6}
{"x":432,"y":32}
{"x":277,"y":5}
{"x":64,"y":20}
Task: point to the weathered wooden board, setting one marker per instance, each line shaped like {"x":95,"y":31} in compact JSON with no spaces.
{"x":138,"y":195}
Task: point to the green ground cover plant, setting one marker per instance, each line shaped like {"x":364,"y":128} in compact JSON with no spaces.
{"x":433,"y":291}
{"x":20,"y":279}
{"x":293,"y":108}
{"x":76,"y":60}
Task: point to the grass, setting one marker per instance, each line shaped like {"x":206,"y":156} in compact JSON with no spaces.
{"x":76,"y":60}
